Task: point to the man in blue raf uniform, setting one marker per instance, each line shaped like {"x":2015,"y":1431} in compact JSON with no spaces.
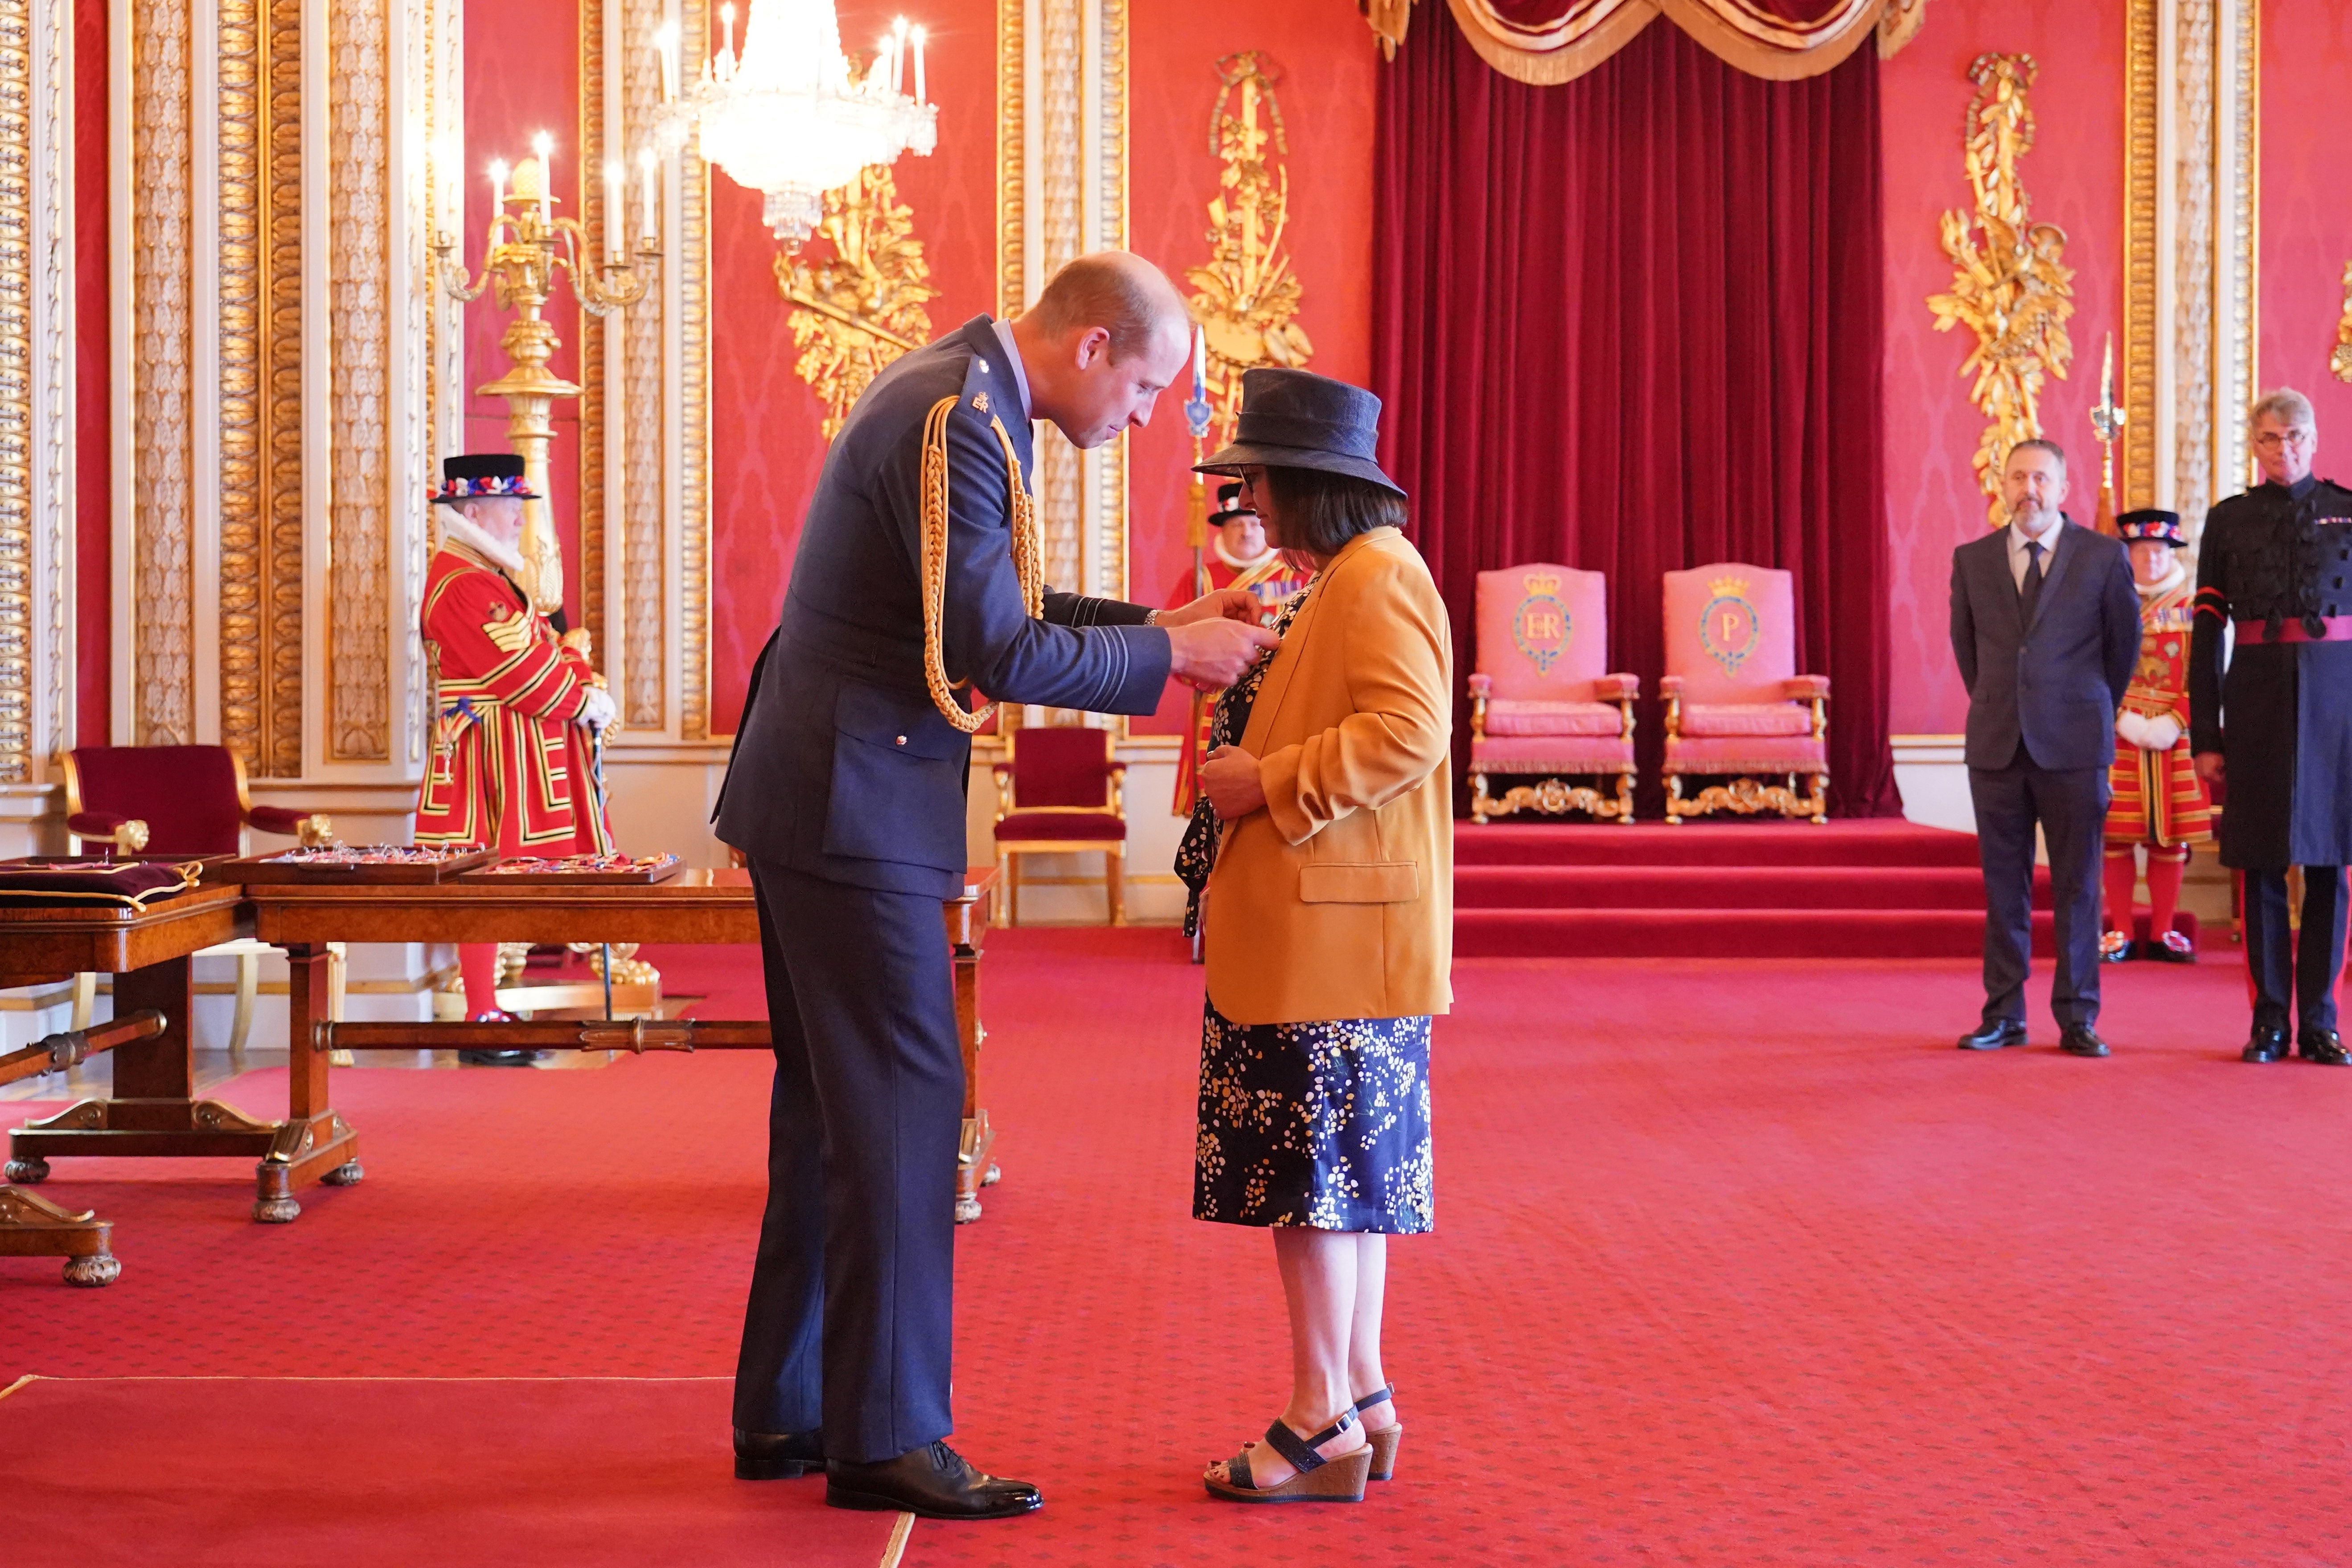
{"x":917,"y":580}
{"x":2273,"y":718}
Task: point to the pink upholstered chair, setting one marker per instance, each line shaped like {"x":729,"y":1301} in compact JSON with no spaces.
{"x":1058,"y":792}
{"x":1540,"y":703}
{"x":1736,"y":707}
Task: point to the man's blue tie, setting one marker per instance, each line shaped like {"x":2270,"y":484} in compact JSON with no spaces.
{"x":2030,"y":592}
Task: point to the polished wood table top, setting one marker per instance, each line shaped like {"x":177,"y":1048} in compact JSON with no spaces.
{"x":39,"y":944}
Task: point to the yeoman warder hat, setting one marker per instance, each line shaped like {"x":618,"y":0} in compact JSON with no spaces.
{"x":473,"y":474}
{"x":1229,"y":505}
{"x":2152,"y":525}
{"x":1296,"y":419}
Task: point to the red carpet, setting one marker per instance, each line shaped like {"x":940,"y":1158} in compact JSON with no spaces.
{"x":578,"y":1473}
{"x":1732,"y":890}
{"x":1737,"y":1264}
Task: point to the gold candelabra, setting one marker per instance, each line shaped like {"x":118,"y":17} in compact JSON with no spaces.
{"x":524,"y":247}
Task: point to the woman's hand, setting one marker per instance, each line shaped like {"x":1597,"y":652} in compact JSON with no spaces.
{"x":1221,"y":603}
{"x":1230,"y":779}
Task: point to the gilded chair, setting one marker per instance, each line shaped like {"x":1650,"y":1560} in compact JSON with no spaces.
{"x":1059,"y":792}
{"x":1541,"y":705}
{"x":1737,"y":709}
{"x":184,"y":802}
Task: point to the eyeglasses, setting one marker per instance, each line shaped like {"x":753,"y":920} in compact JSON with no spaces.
{"x":2271,"y":440}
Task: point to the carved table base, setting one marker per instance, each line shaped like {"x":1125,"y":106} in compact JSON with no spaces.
{"x":32,"y":1226}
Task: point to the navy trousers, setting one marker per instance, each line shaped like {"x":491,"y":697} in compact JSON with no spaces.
{"x":2280,"y":963}
{"x":2071,"y":804}
{"x":851,"y":1319}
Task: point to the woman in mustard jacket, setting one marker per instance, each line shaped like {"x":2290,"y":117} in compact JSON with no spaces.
{"x":1329,"y":926}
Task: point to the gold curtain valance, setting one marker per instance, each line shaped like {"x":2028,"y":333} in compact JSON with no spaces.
{"x":1546,"y":42}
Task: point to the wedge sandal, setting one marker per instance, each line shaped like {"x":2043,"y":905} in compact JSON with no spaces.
{"x":1383,"y":1439}
{"x":1318,"y":1480}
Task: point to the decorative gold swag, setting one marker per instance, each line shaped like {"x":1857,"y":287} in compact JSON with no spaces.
{"x":1028,"y":555}
{"x":1583,"y":32}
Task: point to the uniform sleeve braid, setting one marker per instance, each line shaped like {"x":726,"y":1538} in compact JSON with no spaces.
{"x":1027,"y":556}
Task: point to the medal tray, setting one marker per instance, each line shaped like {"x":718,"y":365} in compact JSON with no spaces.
{"x":663,"y":869}
{"x":264,"y":869}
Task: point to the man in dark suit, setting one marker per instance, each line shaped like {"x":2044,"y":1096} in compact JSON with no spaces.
{"x":2045,"y":625}
{"x":916,"y":581}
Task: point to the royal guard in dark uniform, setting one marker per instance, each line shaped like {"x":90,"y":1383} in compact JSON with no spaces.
{"x":917,"y":578}
{"x":518,"y":710}
{"x":2159,"y":804}
{"x":1238,"y":557}
{"x":2270,"y":716}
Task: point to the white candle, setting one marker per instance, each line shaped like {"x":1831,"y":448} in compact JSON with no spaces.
{"x":899,"y":54}
{"x":666,"y":46}
{"x":645,"y":161}
{"x":726,"y":20}
{"x":497,"y":186}
{"x":544,"y":145}
{"x":879,"y":78}
{"x":616,"y":212}
{"x":920,"y":96}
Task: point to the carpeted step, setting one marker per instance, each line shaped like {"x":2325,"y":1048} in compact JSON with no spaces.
{"x":1864,"y":842}
{"x":1699,"y":888}
{"x":1721,"y":934}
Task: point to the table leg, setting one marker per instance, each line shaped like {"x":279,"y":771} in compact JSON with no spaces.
{"x":32,"y":1226}
{"x":974,"y":1170}
{"x":313,"y":1144}
{"x":152,"y":1110}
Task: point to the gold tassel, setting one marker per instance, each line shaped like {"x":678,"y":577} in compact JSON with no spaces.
{"x":1027,"y":556}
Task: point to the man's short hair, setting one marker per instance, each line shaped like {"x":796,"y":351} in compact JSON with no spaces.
{"x":2035,"y":443}
{"x":2286,"y":404}
{"x":1114,"y":290}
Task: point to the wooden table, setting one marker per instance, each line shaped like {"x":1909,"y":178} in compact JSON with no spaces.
{"x":153,"y":1109}
{"x":694,"y":906}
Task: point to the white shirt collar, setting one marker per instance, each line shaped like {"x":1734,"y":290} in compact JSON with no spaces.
{"x":2018,"y":540}
{"x":1013,"y":358}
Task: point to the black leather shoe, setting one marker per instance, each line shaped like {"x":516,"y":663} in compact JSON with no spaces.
{"x":932,"y":1482}
{"x":497,"y":1058}
{"x":777,"y":1455}
{"x":2265,"y":1045}
{"x":1993,"y":1036}
{"x":2081,"y":1040}
{"x":2321,"y":1046}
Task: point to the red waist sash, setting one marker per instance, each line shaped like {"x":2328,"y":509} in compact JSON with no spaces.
{"x":2333,"y":628}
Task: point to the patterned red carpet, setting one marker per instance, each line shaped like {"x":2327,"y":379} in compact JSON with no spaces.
{"x":1737,"y":1264}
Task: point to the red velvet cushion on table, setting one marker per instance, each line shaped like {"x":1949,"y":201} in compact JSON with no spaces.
{"x":1510,"y":715}
{"x":1551,"y":755}
{"x":185,"y":794}
{"x":1060,"y":825}
{"x":1061,"y":764}
{"x":1746,"y":719}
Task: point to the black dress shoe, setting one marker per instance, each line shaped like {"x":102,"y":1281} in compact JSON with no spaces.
{"x":1993,"y":1036}
{"x":2081,"y":1040}
{"x":2266,"y":1044}
{"x":2321,"y":1046}
{"x":932,"y":1482}
{"x":497,"y":1059}
{"x":777,"y":1455}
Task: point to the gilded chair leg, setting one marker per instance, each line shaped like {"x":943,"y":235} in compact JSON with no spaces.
{"x":1821,"y":799}
{"x":1478,"y":801}
{"x":1624,"y":800}
{"x":1675,"y":806}
{"x":1115,"y":883}
{"x":85,"y":998}
{"x":248,"y":984}
{"x":1013,"y":889}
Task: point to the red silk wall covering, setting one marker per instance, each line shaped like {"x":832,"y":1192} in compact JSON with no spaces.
{"x":2307,"y":212}
{"x":2075,"y":176}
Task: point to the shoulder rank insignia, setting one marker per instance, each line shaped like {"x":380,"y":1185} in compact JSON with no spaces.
{"x":979,"y":401}
{"x":511,"y":633}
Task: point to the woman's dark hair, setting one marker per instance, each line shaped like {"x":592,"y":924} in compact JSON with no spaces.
{"x":1319,"y":511}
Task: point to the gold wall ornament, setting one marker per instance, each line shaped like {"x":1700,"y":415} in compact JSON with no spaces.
{"x":161,"y":502}
{"x":1246,"y":297}
{"x":861,"y":307}
{"x":18,"y":544}
{"x":2341,"y":362}
{"x":2009,"y":285}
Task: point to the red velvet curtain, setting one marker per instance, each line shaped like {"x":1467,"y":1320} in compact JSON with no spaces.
{"x":1633,"y":323}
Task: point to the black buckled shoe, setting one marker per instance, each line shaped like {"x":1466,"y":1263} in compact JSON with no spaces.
{"x":1994,"y":1036}
{"x":932,"y":1483}
{"x":2266,"y":1044}
{"x":777,"y":1455}
{"x":2321,"y":1046}
{"x":2081,"y":1040}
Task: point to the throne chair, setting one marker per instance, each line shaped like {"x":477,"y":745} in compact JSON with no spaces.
{"x":1737,"y":709}
{"x":1541,"y":706}
{"x":1059,"y":792}
{"x":184,"y":802}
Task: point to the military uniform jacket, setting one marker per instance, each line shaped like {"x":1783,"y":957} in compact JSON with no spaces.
{"x":2279,"y":710}
{"x":844,"y":768}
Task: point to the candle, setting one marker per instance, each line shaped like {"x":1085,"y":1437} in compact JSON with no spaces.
{"x":498,"y":188}
{"x":726,"y":20}
{"x":1200,"y":362}
{"x":645,"y":161}
{"x":920,"y":96}
{"x":544,"y":145}
{"x":616,"y":212}
{"x":899,"y":54}
{"x":879,"y":78}
{"x":666,"y":46}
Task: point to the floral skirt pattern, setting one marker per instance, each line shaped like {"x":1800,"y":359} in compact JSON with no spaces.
{"x":1324,"y":1125}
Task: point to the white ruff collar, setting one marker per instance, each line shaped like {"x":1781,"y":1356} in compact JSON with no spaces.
{"x":1218,"y":545}
{"x":455,"y":529}
{"x":2164,"y":585}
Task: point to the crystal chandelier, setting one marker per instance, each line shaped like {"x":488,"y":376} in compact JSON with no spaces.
{"x":787,"y":116}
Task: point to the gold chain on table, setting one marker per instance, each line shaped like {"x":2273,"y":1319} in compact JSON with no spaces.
{"x":1027,"y":556}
